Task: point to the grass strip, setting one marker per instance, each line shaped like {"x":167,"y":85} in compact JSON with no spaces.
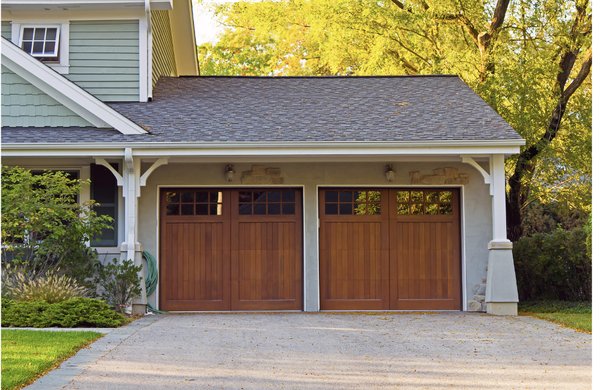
{"x":29,"y":354}
{"x":574,"y":315}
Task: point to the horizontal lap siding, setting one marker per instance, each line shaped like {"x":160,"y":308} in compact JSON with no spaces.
{"x":6,"y":30}
{"x":163,"y":57}
{"x":25,"y":105}
{"x":104,"y":58}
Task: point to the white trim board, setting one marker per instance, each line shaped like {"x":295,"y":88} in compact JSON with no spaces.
{"x":16,"y":4}
{"x":64,"y":91}
{"x":313,"y":150}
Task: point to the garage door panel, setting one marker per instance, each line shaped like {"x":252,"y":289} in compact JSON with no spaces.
{"x":389,"y":249}
{"x":424,"y":265}
{"x":231,"y":249}
{"x":266,"y":265}
{"x":425,"y":249}
{"x":352,"y":270}
{"x":198,"y":271}
{"x":267,"y":249}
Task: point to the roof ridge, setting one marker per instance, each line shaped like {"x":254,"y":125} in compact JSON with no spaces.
{"x":316,"y":77}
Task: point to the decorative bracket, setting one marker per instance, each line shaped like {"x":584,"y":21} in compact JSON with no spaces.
{"x":486,"y":176}
{"x":130,"y":167}
{"x":117,"y":175}
{"x":156,"y":164}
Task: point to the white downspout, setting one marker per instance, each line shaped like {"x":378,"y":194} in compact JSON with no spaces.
{"x":148,"y":47}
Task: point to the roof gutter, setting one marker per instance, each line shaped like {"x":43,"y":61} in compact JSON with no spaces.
{"x":254,"y":149}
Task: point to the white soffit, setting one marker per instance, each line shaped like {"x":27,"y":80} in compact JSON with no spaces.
{"x":36,"y":4}
{"x":64,"y":91}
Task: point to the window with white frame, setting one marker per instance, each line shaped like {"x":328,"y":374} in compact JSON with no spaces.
{"x":42,"y":42}
{"x":46,"y":41}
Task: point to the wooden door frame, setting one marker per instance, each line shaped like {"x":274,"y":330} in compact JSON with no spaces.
{"x":462,"y":243}
{"x":227,"y":186}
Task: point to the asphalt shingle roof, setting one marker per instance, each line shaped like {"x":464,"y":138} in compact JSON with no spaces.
{"x":297,"y":109}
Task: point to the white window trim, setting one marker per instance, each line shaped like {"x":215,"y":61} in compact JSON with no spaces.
{"x":62,"y":66}
{"x":47,"y":27}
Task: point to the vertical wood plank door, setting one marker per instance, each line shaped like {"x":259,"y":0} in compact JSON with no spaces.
{"x":425,"y":272}
{"x":389,"y":249}
{"x":267,"y":250}
{"x":354,"y":252}
{"x":195,"y":250}
{"x":231,"y":249}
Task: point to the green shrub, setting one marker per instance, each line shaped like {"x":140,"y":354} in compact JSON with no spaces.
{"x":75,"y":312}
{"x":21,"y":314}
{"x":44,"y":227}
{"x":554,"y":266}
{"x":119,"y":283}
{"x":50,"y":288}
{"x":83,"y":312}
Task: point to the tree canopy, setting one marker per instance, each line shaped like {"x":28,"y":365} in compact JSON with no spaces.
{"x":530,"y":60}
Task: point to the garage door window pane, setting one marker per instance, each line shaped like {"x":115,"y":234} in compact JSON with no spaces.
{"x":187,"y":209}
{"x":288,"y":209}
{"x":446,"y":208}
{"x":331,"y":208}
{"x":245,"y":209}
{"x":274,"y":208}
{"x":267,"y":202}
{"x":346,"y":202}
{"x":428,"y":202}
{"x":260,"y":209}
{"x":345,"y":208}
{"x":173,"y":197}
{"x":186,"y":202}
{"x":345,"y":196}
{"x":187,"y":196}
{"x":172,"y":209}
{"x":331,"y":196}
{"x":446,"y":196}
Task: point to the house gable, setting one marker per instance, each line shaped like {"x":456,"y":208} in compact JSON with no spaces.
{"x":24,"y":105}
{"x":64,"y":91}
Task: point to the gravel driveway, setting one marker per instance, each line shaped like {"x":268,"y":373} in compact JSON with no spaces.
{"x":301,"y":350}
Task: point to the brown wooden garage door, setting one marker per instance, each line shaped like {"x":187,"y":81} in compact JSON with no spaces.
{"x":231,"y":249}
{"x":396,"y":249}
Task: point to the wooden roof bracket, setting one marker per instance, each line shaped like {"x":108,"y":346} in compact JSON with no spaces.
{"x":474,"y":164}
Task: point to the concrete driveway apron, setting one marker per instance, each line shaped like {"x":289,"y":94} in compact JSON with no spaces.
{"x":327,"y":350}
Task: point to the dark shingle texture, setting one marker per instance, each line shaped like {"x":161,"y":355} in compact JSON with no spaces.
{"x":298,"y":109}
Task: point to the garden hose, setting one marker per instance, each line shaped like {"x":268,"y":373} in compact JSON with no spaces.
{"x":151,"y":277}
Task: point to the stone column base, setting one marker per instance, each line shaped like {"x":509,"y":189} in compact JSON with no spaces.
{"x":502,"y":308}
{"x":138,"y":309}
{"x":501,"y":295}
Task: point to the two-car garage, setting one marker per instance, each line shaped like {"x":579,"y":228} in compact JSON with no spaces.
{"x":242,"y":249}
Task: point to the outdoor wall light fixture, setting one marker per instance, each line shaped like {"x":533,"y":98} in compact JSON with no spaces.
{"x":229,"y":172}
{"x":389,"y":172}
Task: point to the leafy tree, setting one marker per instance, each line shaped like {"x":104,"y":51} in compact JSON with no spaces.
{"x":530,"y":60}
{"x":44,"y":227}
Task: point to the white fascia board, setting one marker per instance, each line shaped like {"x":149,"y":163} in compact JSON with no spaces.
{"x":156,"y":4}
{"x":64,"y":91}
{"x":254,"y":150}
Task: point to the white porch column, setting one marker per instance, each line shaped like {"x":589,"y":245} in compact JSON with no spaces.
{"x":131,"y":182}
{"x":501,"y":294}
{"x":131,"y":249}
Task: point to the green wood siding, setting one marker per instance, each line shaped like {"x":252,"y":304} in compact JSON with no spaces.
{"x":24,"y":105}
{"x":163,"y":57}
{"x":104,"y":58}
{"x":6,"y":30}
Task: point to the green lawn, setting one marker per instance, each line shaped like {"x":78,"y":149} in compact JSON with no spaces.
{"x":28,"y":354}
{"x":575,"y":315}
